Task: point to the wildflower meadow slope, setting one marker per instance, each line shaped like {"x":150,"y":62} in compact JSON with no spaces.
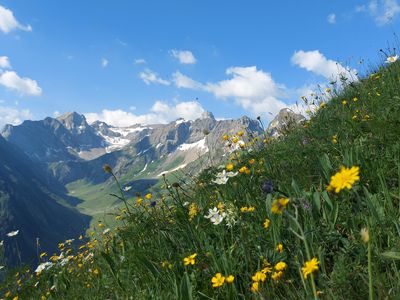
{"x":313,"y":214}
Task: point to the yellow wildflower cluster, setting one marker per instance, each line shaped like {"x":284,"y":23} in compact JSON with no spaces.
{"x":218,"y":280}
{"x":244,"y":170}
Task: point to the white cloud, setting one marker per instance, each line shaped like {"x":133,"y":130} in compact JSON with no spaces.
{"x":8,"y":22}
{"x":24,"y":85}
{"x":104,"y":62}
{"x":160,"y":113}
{"x":184,"y":56}
{"x":139,"y":61}
{"x":56,"y":114}
{"x":182,"y":81}
{"x":4,"y":62}
{"x":316,"y":62}
{"x":382,"y":11}
{"x":148,"y":76}
{"x":252,"y":89}
{"x":9,"y":115}
{"x":331,"y":18}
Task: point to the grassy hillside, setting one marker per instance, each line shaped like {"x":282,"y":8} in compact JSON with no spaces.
{"x":292,"y":224}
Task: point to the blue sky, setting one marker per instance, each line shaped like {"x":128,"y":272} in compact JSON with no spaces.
{"x":153,"y":61}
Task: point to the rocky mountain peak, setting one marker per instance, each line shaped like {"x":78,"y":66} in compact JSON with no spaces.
{"x":73,"y":120}
{"x":207,"y":115}
{"x":284,"y":121}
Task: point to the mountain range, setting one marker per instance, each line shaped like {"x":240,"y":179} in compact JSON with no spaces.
{"x":52,"y":183}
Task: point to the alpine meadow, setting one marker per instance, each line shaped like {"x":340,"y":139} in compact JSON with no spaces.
{"x":300,"y":200}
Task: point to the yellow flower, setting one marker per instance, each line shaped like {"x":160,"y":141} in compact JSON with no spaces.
{"x":278,"y":205}
{"x":266,"y":223}
{"x":148,"y":196}
{"x":254,"y":287}
{"x":190,"y":260}
{"x":364,"y":235}
{"x":240,"y":133}
{"x":276,"y":275}
{"x":246,"y":209}
{"x":230,"y":279}
{"x":355,"y":99}
{"x":354,"y":117}
{"x":42,"y":254}
{"x":225,"y":137}
{"x":334,"y":139}
{"x":322,"y":105}
{"x":280,"y":266}
{"x":81,"y":237}
{"x":218,"y":280}
{"x":101,"y":225}
{"x":309,"y":267}
{"x":235,"y":139}
{"x":345,"y":178}
{"x":279,"y":248}
{"x":15,"y":298}
{"x":252,"y":161}
{"x":243,"y":169}
{"x":193,"y":210}
{"x":229,"y":167}
{"x":221,"y":207}
{"x":139,"y":201}
{"x":96,"y":272}
{"x":344,"y":102}
{"x":328,"y":90}
{"x":259,"y":276}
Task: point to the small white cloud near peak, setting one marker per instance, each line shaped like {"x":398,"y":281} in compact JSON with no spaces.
{"x":139,"y":61}
{"x":148,"y":76}
{"x":9,"y":23}
{"x":185,"y":57}
{"x":14,"y":116}
{"x":316,"y":62}
{"x":160,"y":113}
{"x":104,"y":62}
{"x":4,"y":62}
{"x":331,"y":18}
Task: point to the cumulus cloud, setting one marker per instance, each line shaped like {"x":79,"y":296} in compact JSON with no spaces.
{"x":184,"y":56}
{"x":183,"y":81}
{"x":4,"y":62}
{"x":316,"y":62}
{"x":382,"y":11}
{"x":148,"y":76}
{"x":252,"y":89}
{"x":139,"y":61}
{"x":9,"y":115}
{"x":104,"y":62}
{"x":331,"y":18}
{"x":9,"y":23}
{"x":23,"y":85}
{"x":160,"y":113}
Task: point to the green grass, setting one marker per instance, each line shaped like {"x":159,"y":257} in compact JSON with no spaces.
{"x":143,"y":257}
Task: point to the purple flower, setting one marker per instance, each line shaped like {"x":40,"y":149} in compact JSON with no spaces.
{"x":306,"y":205}
{"x":152,"y":203}
{"x":267,"y":187}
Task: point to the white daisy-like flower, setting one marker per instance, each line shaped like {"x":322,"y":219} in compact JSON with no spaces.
{"x":222,"y":177}
{"x":392,"y":59}
{"x":43,"y":266}
{"x":12,"y":233}
{"x":127,"y":188}
{"x":214,"y":216}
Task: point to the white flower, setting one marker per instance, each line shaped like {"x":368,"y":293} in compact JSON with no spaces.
{"x":222,"y":177}
{"x":64,"y":261}
{"x":43,"y":266}
{"x":127,"y":188}
{"x":214,"y":216}
{"x":185,"y":203}
{"x":12,"y":233}
{"x":1,"y":243}
{"x":107,"y":230}
{"x":391,"y":59}
{"x":1,"y":267}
